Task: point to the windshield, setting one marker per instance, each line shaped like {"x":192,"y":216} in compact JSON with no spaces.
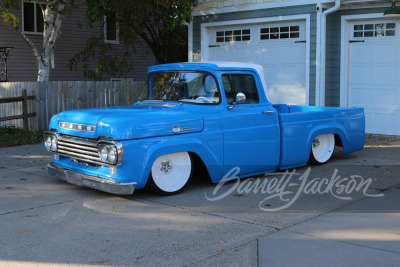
{"x":190,"y":87}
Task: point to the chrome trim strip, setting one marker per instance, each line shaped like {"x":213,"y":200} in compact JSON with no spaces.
{"x":157,"y":104}
{"x":70,"y":149}
{"x":78,"y":156}
{"x":95,"y":182}
{"x":94,"y":149}
{"x":77,"y":127}
{"x":79,"y":140}
{"x":178,"y":129}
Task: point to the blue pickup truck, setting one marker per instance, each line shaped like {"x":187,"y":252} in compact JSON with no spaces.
{"x":214,"y":114}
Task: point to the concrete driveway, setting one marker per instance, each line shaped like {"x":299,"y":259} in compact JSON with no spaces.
{"x":46,"y":222}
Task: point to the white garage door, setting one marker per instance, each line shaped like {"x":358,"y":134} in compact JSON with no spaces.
{"x":374,"y":74}
{"x":279,"y":48}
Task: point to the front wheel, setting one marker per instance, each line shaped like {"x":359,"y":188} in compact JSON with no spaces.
{"x":322,"y":148}
{"x":170,"y":173}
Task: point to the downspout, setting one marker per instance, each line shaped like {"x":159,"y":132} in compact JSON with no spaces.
{"x":318,"y":56}
{"x":323,"y":51}
{"x":190,"y":40}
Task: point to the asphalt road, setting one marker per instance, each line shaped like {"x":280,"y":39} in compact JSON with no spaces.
{"x":46,"y":222}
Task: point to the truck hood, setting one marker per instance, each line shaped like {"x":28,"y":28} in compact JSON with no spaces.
{"x":128,"y":122}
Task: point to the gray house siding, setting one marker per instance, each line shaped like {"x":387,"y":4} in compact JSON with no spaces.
{"x":272,"y":12}
{"x":333,"y":51}
{"x":22,"y":64}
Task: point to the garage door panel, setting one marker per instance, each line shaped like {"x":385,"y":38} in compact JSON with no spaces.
{"x":222,"y":53}
{"x":290,"y":74}
{"x":360,"y":97}
{"x":271,"y":73}
{"x":269,"y":55}
{"x":374,"y":73}
{"x":368,"y":122}
{"x":384,"y":74}
{"x":294,"y":94}
{"x":239,"y":53}
{"x":397,"y":123}
{"x":360,"y":53}
{"x":384,"y":98}
{"x":385,"y":54}
{"x":360,"y":74}
{"x":384,"y":123}
{"x":284,"y":61}
{"x":293,"y":54}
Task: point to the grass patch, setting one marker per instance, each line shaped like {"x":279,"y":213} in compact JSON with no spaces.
{"x":17,"y":137}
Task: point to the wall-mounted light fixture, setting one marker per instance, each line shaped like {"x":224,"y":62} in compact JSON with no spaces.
{"x":393,"y":11}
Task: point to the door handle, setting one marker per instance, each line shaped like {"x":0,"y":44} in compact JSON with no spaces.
{"x":269,"y":112}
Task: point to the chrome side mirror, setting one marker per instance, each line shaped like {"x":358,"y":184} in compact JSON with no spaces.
{"x":240,"y":97}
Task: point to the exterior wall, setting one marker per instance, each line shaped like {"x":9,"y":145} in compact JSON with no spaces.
{"x":262,"y":13}
{"x":206,"y":4}
{"x":333,"y":51}
{"x":21,"y":63}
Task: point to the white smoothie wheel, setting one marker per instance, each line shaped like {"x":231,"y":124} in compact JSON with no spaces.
{"x":322,"y":148}
{"x":170,"y":173}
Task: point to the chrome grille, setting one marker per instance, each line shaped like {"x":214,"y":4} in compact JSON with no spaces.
{"x":78,"y":148}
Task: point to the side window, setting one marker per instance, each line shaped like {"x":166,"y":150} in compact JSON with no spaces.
{"x":240,"y":83}
{"x":226,"y":82}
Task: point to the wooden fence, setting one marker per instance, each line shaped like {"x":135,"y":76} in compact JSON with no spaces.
{"x":54,"y":97}
{"x":25,"y":114}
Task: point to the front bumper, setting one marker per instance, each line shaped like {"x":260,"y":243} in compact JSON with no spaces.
{"x":106,"y":185}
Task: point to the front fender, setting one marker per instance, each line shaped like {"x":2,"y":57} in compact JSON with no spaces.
{"x":212,"y":159}
{"x":139,"y":155}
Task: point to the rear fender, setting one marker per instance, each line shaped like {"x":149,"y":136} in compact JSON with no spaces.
{"x":331,"y":128}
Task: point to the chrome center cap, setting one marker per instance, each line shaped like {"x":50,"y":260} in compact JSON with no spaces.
{"x":166,"y":166}
{"x":316,"y":143}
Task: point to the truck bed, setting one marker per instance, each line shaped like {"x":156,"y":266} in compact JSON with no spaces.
{"x":301,"y":124}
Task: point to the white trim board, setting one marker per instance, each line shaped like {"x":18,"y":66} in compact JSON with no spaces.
{"x":251,"y":7}
{"x":345,"y":5}
{"x":205,"y":31}
{"x":344,"y":51}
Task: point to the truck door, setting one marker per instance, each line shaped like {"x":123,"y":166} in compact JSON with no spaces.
{"x":250,"y":127}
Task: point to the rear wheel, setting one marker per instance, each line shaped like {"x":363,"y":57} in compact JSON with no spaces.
{"x":170,"y":173}
{"x":322,"y":148}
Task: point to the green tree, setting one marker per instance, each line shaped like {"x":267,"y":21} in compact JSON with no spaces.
{"x":53,"y":12}
{"x":160,"y":23}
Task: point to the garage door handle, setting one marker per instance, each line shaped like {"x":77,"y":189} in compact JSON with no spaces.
{"x":213,"y":46}
{"x":298,"y":42}
{"x":357,"y":41}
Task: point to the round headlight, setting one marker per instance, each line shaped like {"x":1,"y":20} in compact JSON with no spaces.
{"x":103,"y":154}
{"x":53,"y":144}
{"x":112,"y":154}
{"x":47,"y":143}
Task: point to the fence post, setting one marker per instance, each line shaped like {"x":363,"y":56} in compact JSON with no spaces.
{"x":25,"y":109}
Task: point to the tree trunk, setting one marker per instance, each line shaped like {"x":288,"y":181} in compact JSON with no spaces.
{"x":43,"y":70}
